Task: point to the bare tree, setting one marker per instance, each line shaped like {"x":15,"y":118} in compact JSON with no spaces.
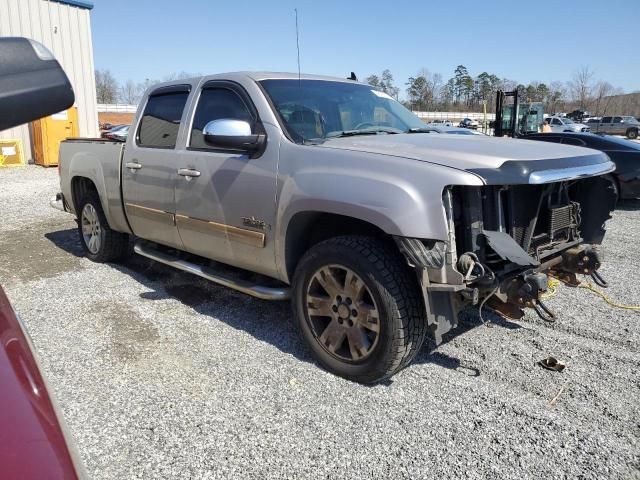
{"x":581,"y":85}
{"x":130,"y":93}
{"x":106,"y":87}
{"x":603,"y":91}
{"x":179,"y":76}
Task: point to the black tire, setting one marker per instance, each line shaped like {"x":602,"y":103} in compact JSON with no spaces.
{"x":632,"y":133}
{"x":112,"y":245}
{"x":393,"y":287}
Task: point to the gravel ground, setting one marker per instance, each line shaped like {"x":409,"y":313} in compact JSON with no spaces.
{"x":162,"y":375}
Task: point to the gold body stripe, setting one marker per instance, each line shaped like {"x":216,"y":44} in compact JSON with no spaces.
{"x":242,"y":235}
{"x":151,"y":213}
{"x":249,"y":237}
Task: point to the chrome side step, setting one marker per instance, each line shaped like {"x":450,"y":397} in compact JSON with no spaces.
{"x":145,"y":249}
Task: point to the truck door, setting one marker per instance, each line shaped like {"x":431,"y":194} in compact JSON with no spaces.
{"x":226,"y":200}
{"x":149,"y":173}
{"x":605,"y":125}
{"x":618,"y":127}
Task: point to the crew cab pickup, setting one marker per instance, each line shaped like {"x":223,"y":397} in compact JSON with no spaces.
{"x":628,"y":126}
{"x":330,"y":193}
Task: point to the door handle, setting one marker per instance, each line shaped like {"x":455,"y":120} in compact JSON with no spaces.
{"x":133,"y":165}
{"x":188,"y":172}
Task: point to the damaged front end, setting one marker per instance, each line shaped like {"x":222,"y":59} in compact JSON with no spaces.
{"x":504,"y":243}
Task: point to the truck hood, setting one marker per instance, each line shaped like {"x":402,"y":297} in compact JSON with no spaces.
{"x":495,"y":160}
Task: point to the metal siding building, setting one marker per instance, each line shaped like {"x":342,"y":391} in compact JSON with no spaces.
{"x":64,"y":27}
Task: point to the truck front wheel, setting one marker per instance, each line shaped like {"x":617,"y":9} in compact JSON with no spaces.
{"x":359,"y":308}
{"x":632,"y":133}
{"x":100,"y":243}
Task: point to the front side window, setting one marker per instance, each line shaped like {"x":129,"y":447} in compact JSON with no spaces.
{"x":161,"y":120}
{"x":216,"y":104}
{"x":617,"y":119}
{"x":313,"y":111}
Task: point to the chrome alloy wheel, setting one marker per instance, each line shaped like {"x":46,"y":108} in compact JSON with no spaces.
{"x":91,"y":230}
{"x":342,"y":313}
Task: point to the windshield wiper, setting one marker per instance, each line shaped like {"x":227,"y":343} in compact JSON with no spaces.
{"x":353,"y":133}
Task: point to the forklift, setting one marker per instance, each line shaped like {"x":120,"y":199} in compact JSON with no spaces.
{"x":516,"y":119}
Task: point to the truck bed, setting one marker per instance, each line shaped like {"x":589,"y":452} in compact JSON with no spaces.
{"x":99,"y":160}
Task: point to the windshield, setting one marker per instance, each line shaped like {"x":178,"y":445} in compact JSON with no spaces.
{"x":629,"y":119}
{"x":567,"y":120}
{"x":315,"y":110}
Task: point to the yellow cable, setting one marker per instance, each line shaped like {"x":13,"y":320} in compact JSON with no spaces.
{"x":552,"y":288}
{"x":588,"y":286}
{"x":554,"y":283}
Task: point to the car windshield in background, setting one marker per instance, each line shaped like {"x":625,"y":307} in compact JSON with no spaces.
{"x":315,"y":110}
{"x":630,"y":119}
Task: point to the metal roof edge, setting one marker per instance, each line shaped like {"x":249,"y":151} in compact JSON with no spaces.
{"x":76,"y":3}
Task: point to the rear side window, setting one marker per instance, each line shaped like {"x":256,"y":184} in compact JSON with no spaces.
{"x":606,"y":119}
{"x":161,"y":120}
{"x":216,"y":104}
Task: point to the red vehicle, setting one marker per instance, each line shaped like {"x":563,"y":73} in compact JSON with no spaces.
{"x":32,"y":439}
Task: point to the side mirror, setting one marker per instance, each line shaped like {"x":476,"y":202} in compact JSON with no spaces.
{"x":32,"y":82}
{"x":234,"y":134}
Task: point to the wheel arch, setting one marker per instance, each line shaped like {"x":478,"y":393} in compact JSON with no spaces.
{"x":308,"y":228}
{"x":80,"y":186}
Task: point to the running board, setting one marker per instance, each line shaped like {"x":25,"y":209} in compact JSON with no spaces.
{"x":265,"y":293}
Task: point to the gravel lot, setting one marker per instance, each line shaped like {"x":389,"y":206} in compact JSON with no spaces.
{"x":162,"y":375}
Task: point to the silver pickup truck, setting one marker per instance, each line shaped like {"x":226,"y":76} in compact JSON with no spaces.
{"x":330,"y":193}
{"x":628,"y":126}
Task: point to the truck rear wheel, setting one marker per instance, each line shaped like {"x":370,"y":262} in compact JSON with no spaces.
{"x":100,"y":243}
{"x":359,"y":308}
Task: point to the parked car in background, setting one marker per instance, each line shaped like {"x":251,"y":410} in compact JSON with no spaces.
{"x":110,"y":128}
{"x":120,"y":133}
{"x":578,"y":115}
{"x":441,"y":123}
{"x":565,"y":124}
{"x":625,"y":154}
{"x":620,"y":125}
{"x":457,"y":131}
{"x":469,"y":123}
{"x":377,"y":229}
{"x":106,"y":131}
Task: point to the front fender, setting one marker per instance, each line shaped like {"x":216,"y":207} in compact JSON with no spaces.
{"x":401,"y":197}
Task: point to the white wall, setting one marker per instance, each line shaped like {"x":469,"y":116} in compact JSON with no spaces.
{"x":66,"y":31}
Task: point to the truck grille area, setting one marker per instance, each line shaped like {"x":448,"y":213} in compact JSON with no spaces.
{"x":542,"y":219}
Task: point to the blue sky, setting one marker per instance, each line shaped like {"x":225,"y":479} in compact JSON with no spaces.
{"x":152,"y":38}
